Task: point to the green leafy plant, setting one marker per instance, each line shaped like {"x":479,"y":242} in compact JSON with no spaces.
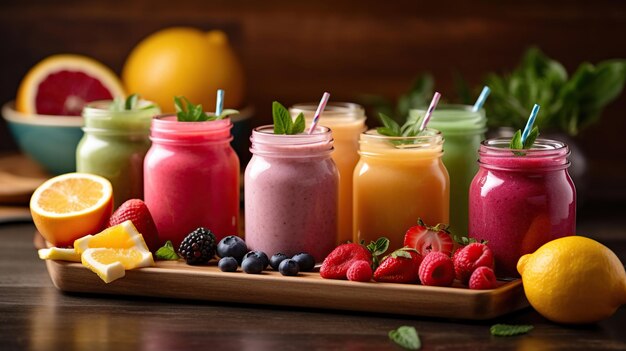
{"x":378,"y":248}
{"x":283,"y":124}
{"x":568,"y":103}
{"x":510,"y":330}
{"x":406,"y":336}
{"x":128,"y":104}
{"x":188,"y":112}
{"x":167,"y":252}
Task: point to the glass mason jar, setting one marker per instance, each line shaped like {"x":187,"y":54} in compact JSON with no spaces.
{"x":463,"y":130}
{"x":346,"y":121}
{"x":291,"y":193}
{"x":114,"y":146}
{"x":192,"y":178}
{"x":519,"y":200}
{"x":397,"y":181}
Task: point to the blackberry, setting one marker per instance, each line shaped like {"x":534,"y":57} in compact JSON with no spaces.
{"x":198,"y":247}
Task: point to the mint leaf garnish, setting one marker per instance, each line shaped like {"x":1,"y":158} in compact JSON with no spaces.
{"x":283,"y":124}
{"x":509,"y":330}
{"x":167,"y":252}
{"x":516,"y":141}
{"x":131,"y":102}
{"x":391,"y":127}
{"x":406,"y":337}
{"x":530,"y":140}
{"x":410,"y":128}
{"x":188,"y":112}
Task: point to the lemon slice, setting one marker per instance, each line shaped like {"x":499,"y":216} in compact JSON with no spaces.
{"x":110,"y":264}
{"x":121,"y":236}
{"x":55,"y":253}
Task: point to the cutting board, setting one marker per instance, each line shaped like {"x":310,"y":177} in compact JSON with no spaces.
{"x":177,"y":280}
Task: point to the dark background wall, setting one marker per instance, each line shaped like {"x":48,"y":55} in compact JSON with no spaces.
{"x":293,"y":50}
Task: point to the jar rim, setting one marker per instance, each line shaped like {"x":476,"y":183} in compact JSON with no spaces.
{"x":541,"y":147}
{"x":545,"y":155}
{"x":266,"y":143}
{"x":100,"y":108}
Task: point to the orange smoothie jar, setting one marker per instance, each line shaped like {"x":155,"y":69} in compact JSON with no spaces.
{"x":346,"y":121}
{"x":397,"y":181}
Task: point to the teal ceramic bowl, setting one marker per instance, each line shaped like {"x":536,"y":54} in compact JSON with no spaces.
{"x":49,"y":140}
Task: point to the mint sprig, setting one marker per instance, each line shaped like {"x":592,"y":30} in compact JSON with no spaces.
{"x":167,"y":252}
{"x":516,"y":141}
{"x":510,"y":330}
{"x":128,"y":104}
{"x":390,"y":127}
{"x":283,"y":124}
{"x":188,"y":112}
{"x":406,"y":336}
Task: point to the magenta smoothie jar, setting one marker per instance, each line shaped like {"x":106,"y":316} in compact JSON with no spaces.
{"x":519,"y":200}
{"x":191,"y":178}
{"x":291,"y":193}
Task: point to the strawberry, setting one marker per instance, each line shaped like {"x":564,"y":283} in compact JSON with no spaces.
{"x":360,"y":271}
{"x":136,"y":211}
{"x":436,"y":269}
{"x":337,"y":263}
{"x":425,"y":239}
{"x":483,"y":278}
{"x":401,"y":266}
{"x":470,"y":257}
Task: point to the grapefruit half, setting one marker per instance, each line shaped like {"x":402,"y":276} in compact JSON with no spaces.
{"x":63,"y":84}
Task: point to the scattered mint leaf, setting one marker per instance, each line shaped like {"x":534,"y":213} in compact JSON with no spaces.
{"x":406,"y":337}
{"x":283,"y":124}
{"x":167,"y":252}
{"x":510,"y":330}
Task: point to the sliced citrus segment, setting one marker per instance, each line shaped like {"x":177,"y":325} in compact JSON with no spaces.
{"x":55,"y":253}
{"x":70,"y":206}
{"x":110,"y":264}
{"x":63,"y":84}
{"x":121,"y":236}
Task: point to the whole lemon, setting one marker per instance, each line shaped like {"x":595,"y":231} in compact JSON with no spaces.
{"x":188,"y":62}
{"x":573,"y":280}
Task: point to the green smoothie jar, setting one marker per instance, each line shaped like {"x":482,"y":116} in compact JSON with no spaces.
{"x":114,"y":145}
{"x":463,"y":130}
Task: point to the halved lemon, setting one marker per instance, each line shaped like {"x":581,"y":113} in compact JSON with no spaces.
{"x":72,"y":205}
{"x":121,"y":236}
{"x":55,"y":253}
{"x":63,"y":84}
{"x":110,"y":264}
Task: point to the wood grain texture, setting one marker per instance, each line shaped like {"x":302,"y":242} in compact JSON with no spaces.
{"x":175,"y":279}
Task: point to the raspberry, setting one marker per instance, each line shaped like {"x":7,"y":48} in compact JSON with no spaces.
{"x":337,"y":263}
{"x":437,"y":269}
{"x":360,"y":271}
{"x":198,"y":247}
{"x":472,"y":256}
{"x":483,"y":278}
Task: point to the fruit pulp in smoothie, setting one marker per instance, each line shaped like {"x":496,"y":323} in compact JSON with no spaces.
{"x":518,"y":204}
{"x":291,"y":198}
{"x":394,"y":186}
{"x":347,"y":122}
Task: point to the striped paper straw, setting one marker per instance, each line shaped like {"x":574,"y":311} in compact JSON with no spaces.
{"x":529,"y":124}
{"x":318,"y":112}
{"x":219,"y":105}
{"x":431,"y":108}
{"x":481,"y":98}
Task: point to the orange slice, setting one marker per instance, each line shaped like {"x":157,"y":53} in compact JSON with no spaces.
{"x":63,"y":84}
{"x":110,"y":264}
{"x":121,"y":236}
{"x":55,"y":253}
{"x":70,"y":206}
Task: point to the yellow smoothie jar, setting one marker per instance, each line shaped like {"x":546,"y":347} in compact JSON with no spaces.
{"x":396,"y":181}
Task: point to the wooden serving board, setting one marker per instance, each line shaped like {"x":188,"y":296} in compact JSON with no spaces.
{"x":175,"y":279}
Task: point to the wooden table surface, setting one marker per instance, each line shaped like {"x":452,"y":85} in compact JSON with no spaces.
{"x":34,"y":315}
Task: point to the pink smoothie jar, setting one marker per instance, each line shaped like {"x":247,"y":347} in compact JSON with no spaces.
{"x":520,"y":200}
{"x":191,"y":178}
{"x":291,"y":193}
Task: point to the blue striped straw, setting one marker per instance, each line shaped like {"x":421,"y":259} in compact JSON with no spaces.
{"x":219,"y":105}
{"x":318,"y":112}
{"x":431,"y":108}
{"x":529,"y":124}
{"x":481,"y":98}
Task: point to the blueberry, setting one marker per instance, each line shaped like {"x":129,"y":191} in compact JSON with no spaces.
{"x":277,"y":259}
{"x":305,"y":261}
{"x":232,"y":246}
{"x":289,"y":267}
{"x":258,"y":254}
{"x":252,"y":264}
{"x":228,"y":264}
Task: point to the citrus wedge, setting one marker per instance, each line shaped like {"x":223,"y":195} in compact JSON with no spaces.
{"x":121,"y":236}
{"x":70,"y":206}
{"x":55,"y":253}
{"x":63,"y":84}
{"x":110,"y":264}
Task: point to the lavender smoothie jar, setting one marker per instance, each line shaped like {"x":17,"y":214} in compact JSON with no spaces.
{"x":291,"y":193}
